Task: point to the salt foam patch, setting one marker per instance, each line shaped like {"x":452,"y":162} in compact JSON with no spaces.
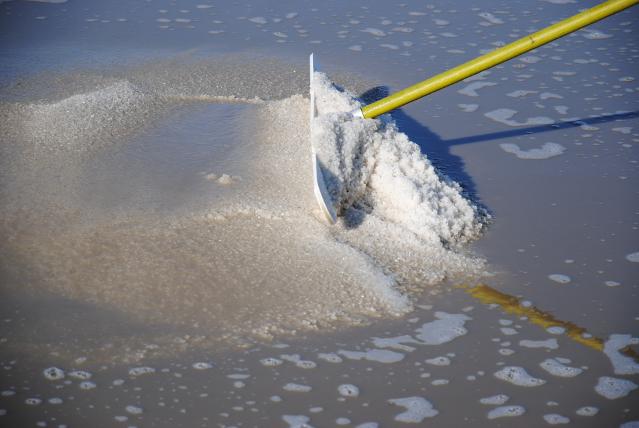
{"x":396,"y":207}
{"x":417,"y":409}
{"x":613,"y":388}
{"x":623,"y":364}
{"x":546,"y":151}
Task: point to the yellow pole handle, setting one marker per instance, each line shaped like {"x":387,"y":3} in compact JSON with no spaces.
{"x":496,"y":57}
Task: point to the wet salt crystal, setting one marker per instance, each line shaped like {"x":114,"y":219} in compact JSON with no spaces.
{"x":555,"y":419}
{"x":87,"y":385}
{"x":613,"y":388}
{"x":202,"y":366}
{"x":446,"y":328}
{"x":440,"y":382}
{"x":53,"y":373}
{"x":506,"y":351}
{"x":7,"y":393}
{"x":316,"y":409}
{"x":633,"y":257}
{"x":389,"y":46}
{"x":237,"y":376}
{"x":134,"y":410}
{"x":330,"y":357}
{"x":368,"y":425}
{"x":439,"y":361}
{"x":587,"y":411}
{"x":55,"y":400}
{"x":378,"y":355}
{"x":530,"y":59}
{"x":291,"y":15}
{"x":490,"y":18}
{"x":280,"y":34}
{"x":118,"y":382}
{"x":546,"y":151}
{"x":548,"y":343}
{"x":506,"y":411}
{"x":518,"y":376}
{"x":505,"y":322}
{"x":80,"y":374}
{"x":276,"y":398}
{"x":556,"y":368}
{"x":139,"y":371}
{"x":296,"y":387}
{"x":560,"y":278}
{"x":417,"y":409}
{"x":348,"y":390}
{"x":508,"y":331}
{"x":33,"y":401}
{"x":342,"y":421}
{"x":297,"y":421}
{"x":594,"y":34}
{"x":239,"y":384}
{"x":520,"y":93}
{"x":121,"y":418}
{"x":355,"y":48}
{"x":495,"y":400}
{"x":612,"y":283}
{"x":622,"y":364}
{"x":471,"y":89}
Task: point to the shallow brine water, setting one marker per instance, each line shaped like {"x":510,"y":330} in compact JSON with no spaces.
{"x":164,"y":262}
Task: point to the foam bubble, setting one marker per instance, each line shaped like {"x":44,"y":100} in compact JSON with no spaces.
{"x":446,"y":328}
{"x":504,"y":115}
{"x":417,"y":409}
{"x":87,"y":385}
{"x":613,"y":388}
{"x":546,"y":151}
{"x":296,"y":387}
{"x":495,"y":400}
{"x":506,"y":412}
{"x":471,"y":89}
{"x":439,"y":361}
{"x":202,"y":366}
{"x":134,"y":410}
{"x":348,"y":390}
{"x":297,"y":421}
{"x":518,"y":376}
{"x":378,"y":355}
{"x":556,"y":368}
{"x":587,"y":411}
{"x":560,"y":278}
{"x":139,"y":371}
{"x":80,"y":374}
{"x":548,"y":343}
{"x":53,"y":373}
{"x":556,"y":419}
{"x":633,"y":257}
{"x":622,"y":364}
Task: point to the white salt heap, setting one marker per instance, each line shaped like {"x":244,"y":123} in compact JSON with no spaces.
{"x":392,"y":199}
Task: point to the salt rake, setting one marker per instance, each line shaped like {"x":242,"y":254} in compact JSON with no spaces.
{"x":454,"y":75}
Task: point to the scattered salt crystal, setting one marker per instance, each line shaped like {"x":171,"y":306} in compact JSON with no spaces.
{"x":134,"y":410}
{"x":622,"y":364}
{"x":296,"y":387}
{"x":348,"y":390}
{"x":587,"y":411}
{"x":446,"y":328}
{"x":378,"y":355}
{"x":202,"y":366}
{"x":548,"y":343}
{"x":560,"y":278}
{"x":53,"y":373}
{"x":297,"y":421}
{"x":556,"y":368}
{"x":555,"y":419}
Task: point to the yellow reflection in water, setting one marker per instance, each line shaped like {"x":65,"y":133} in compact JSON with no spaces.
{"x":513,"y":305}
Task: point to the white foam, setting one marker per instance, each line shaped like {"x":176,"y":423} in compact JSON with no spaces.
{"x":446,"y":328}
{"x":417,"y":409}
{"x":548,"y":343}
{"x":374,"y":31}
{"x":330,"y":357}
{"x":134,"y":410}
{"x":395,"y":342}
{"x":438,"y":361}
{"x":495,"y":400}
{"x":518,"y":376}
{"x":260,"y":20}
{"x":348,"y":390}
{"x":556,"y":419}
{"x":506,"y":412}
{"x":468,"y":108}
{"x":271,"y":362}
{"x":202,"y":366}
{"x":613,"y":388}
{"x":378,"y":355}
{"x":504,"y":115}
{"x":556,"y":368}
{"x":139,"y":371}
{"x":622,"y":364}
{"x":546,"y":151}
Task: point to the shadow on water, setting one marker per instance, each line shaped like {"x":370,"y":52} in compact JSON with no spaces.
{"x":438,"y":150}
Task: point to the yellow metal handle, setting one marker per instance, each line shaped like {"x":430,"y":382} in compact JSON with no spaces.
{"x":496,"y":57}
